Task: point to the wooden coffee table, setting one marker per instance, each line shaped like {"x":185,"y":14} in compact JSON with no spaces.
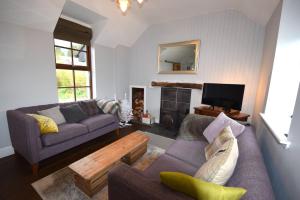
{"x":91,"y":171}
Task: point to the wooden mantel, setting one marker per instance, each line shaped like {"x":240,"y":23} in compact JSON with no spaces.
{"x":177,"y":85}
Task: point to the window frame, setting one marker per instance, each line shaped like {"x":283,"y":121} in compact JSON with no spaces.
{"x":74,"y":68}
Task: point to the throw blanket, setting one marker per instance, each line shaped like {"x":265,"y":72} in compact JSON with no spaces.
{"x":193,"y":126}
{"x":110,"y":107}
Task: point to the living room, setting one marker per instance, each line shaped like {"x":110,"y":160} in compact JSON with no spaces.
{"x":136,"y":85}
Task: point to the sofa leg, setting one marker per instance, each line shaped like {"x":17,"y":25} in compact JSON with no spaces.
{"x":117,"y":132}
{"x":35,"y":169}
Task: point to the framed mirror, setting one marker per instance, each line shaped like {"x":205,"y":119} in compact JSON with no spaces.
{"x":179,"y":57}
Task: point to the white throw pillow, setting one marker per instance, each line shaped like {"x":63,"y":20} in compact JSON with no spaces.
{"x":220,"y":167}
{"x":222,"y":121}
{"x":55,"y":114}
{"x":217,"y":145}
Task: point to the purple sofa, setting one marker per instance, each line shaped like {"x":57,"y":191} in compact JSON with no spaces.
{"x":28,"y":142}
{"x":184,"y":156}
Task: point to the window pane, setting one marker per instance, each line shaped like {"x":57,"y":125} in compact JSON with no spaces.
{"x":79,"y":58}
{"x":66,"y":95}
{"x":62,"y":43}
{"x":64,"y":78}
{"x":83,"y":94}
{"x":82,"y":78}
{"x":63,"y":56}
{"x":77,"y":46}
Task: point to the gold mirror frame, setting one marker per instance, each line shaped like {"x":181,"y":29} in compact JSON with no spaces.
{"x":191,"y":42}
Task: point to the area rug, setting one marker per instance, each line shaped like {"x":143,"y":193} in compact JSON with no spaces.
{"x":60,"y":185}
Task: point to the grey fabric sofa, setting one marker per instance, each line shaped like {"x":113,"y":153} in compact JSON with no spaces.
{"x":184,"y":156}
{"x":28,"y":142}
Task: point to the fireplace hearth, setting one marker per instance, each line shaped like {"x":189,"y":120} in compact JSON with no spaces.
{"x":174,"y":106}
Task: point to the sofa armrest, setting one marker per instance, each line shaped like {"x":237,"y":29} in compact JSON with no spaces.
{"x":127,"y":183}
{"x":24,"y":132}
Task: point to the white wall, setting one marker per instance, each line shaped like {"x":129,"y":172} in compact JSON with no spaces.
{"x":230,"y":52}
{"x":112,"y":74}
{"x":283,"y":164}
{"x":286,"y":69}
{"x":270,"y":43}
{"x":27,"y":75}
{"x":104,"y":64}
{"x":122,"y":55}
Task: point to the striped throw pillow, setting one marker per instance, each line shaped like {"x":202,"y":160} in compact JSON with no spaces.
{"x":212,"y":149}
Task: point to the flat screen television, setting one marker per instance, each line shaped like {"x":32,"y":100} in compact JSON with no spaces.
{"x":228,"y":96}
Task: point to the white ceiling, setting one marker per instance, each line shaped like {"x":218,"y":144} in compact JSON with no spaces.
{"x":159,"y":11}
{"x":111,"y":28}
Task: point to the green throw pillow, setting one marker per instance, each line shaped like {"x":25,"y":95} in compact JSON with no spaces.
{"x":199,"y":189}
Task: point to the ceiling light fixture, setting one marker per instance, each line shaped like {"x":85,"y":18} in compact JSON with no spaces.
{"x":125,"y":4}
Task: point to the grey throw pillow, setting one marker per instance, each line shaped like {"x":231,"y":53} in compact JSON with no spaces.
{"x":53,"y":113}
{"x":73,"y":113}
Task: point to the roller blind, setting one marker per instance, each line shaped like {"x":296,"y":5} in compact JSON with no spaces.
{"x":70,"y":31}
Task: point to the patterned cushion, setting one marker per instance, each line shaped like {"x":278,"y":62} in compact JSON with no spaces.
{"x":54,"y":113}
{"x":216,"y":145}
{"x":220,"y":168}
{"x":46,"y":124}
{"x":90,"y":107}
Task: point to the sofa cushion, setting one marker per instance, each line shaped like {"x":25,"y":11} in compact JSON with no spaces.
{"x":191,"y":152}
{"x":214,"y":128}
{"x":199,"y":189}
{"x":66,"y":132}
{"x":90,"y":107}
{"x":54,"y":113}
{"x":46,"y":124}
{"x":73,"y":113}
{"x":168,"y":163}
{"x":98,"y":121}
{"x":250,"y":171}
{"x":220,"y":167}
{"x":212,"y":149}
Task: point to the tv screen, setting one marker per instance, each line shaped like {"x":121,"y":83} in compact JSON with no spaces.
{"x":228,"y":96}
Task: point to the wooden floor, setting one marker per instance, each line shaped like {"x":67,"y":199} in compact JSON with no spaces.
{"x":16,"y":176}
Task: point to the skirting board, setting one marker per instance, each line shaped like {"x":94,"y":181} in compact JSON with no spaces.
{"x":6,"y":151}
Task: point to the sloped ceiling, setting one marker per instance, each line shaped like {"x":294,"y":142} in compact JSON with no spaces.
{"x":37,"y":14}
{"x":111,"y":28}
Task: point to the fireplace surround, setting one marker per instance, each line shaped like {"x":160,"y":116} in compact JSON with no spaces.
{"x":174,"y":106}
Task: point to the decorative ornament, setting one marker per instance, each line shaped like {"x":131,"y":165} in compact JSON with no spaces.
{"x":126,"y":112}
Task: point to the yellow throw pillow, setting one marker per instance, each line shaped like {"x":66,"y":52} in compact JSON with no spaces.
{"x":199,"y":189}
{"x":46,"y":124}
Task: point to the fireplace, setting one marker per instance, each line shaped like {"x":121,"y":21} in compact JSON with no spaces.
{"x":174,"y":106}
{"x":138,"y":101}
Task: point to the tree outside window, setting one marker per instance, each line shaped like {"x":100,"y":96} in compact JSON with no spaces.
{"x":73,"y":71}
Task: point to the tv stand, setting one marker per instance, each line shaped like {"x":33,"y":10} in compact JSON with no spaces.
{"x":214,"y":111}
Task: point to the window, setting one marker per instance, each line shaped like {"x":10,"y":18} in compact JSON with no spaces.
{"x":283,"y":88}
{"x":73,"y":71}
{"x":73,"y":61}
